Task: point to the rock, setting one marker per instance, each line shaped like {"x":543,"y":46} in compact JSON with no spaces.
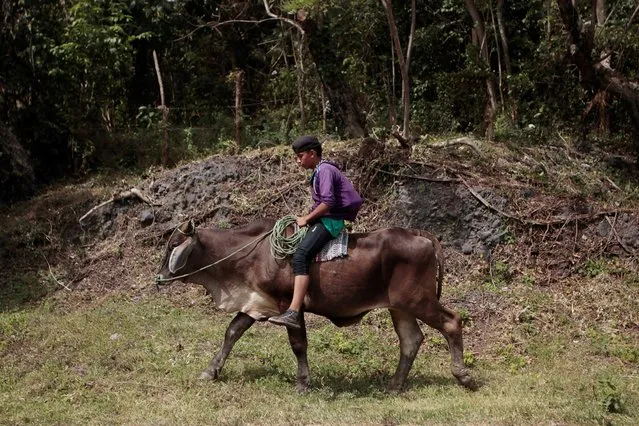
{"x":146,"y":217}
{"x":484,"y":235}
{"x":503,"y":164}
{"x":495,"y":239}
{"x":603,"y":229}
{"x":467,"y":248}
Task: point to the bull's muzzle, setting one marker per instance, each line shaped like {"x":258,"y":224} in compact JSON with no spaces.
{"x":160,"y":280}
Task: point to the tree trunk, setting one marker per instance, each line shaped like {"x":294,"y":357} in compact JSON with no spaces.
{"x":599,"y":11}
{"x":238,"y":106}
{"x":502,"y":34}
{"x":481,"y":40}
{"x":298,"y":56}
{"x":17,"y":178}
{"x":324,"y":109}
{"x":403,"y":64}
{"x":601,"y":100}
{"x":165,"y":113}
{"x":390,"y":85}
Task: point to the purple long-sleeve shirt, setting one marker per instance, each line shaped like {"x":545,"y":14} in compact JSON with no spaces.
{"x":332,"y":188}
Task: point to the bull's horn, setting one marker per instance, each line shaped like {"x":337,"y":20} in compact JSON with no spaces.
{"x":188,"y":228}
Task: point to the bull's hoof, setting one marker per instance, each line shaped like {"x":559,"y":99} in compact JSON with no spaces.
{"x":207,"y":375}
{"x":395,"y":388}
{"x":302,"y":384}
{"x":468,"y":382}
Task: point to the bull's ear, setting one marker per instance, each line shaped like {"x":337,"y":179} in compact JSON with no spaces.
{"x":180,"y":254}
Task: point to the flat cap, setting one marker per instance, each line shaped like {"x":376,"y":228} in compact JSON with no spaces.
{"x":305,"y":143}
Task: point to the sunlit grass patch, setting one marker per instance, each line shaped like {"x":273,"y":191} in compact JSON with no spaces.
{"x":123,"y":361}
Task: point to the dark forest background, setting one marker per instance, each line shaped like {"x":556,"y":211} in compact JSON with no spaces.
{"x":93,"y":85}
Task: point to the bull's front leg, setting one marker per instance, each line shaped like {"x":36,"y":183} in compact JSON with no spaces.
{"x":299,"y":344}
{"x":236,"y":329}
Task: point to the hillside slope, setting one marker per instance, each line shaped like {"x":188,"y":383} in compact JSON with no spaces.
{"x":541,"y":249}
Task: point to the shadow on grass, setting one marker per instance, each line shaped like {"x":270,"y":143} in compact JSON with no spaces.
{"x":366,"y":385}
{"x":21,"y":291}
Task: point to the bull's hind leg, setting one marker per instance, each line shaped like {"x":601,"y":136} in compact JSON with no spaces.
{"x":299,"y":344}
{"x":236,"y":329}
{"x":448,"y":322}
{"x":410,"y":338}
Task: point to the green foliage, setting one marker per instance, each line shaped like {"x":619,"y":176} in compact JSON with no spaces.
{"x":465,"y":317}
{"x":148,"y":117}
{"x":456,"y":105}
{"x":610,"y":398}
{"x":528,"y":280}
{"x":437,"y":341}
{"x":512,"y":359}
{"x":469,"y":359}
{"x":29,"y":287}
{"x":94,"y":55}
{"x":593,"y":268}
{"x":338,"y":341}
{"x":77,"y":70}
{"x":499,"y":276}
{"x":611,"y":345}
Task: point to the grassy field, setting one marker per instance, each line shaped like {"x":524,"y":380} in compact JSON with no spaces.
{"x":135,"y":360}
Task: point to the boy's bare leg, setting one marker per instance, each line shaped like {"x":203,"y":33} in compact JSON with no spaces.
{"x":300,"y":287}
{"x":292,"y":318}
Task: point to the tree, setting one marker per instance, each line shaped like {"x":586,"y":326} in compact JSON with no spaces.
{"x":329,"y":59}
{"x":404,"y":64}
{"x":16,"y":172}
{"x":480,"y":39}
{"x":596,"y":73}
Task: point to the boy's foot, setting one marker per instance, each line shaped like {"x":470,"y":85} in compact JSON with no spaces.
{"x":290,"y":318}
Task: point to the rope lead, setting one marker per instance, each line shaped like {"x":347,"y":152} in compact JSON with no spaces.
{"x":281,"y":245}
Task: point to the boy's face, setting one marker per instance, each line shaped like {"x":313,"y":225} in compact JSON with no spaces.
{"x":307,"y":159}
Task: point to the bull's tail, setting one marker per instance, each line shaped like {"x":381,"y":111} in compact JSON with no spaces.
{"x":439,"y":255}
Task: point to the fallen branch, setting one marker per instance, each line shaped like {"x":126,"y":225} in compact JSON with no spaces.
{"x":486,"y":203}
{"x":612,"y":227}
{"x":482,"y":200}
{"x":281,"y":193}
{"x":557,"y":221}
{"x":419,"y":177}
{"x":404,"y":142}
{"x":53,"y":276}
{"x":133,"y":193}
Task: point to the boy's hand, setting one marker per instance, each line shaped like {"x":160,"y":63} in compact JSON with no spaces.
{"x":319,"y":211}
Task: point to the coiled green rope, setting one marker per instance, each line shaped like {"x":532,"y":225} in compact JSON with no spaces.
{"x":281,"y":245}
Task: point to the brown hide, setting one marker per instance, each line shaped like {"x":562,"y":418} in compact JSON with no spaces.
{"x":389,"y":268}
{"x":398,"y":269}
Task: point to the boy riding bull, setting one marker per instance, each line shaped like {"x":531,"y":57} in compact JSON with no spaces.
{"x":335,"y":200}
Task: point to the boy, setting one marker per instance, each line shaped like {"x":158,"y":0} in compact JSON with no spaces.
{"x":335,"y":201}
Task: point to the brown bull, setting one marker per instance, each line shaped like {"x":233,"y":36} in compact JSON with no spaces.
{"x":394,"y":268}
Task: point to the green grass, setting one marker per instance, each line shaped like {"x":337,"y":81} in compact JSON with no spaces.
{"x":128,"y":361}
